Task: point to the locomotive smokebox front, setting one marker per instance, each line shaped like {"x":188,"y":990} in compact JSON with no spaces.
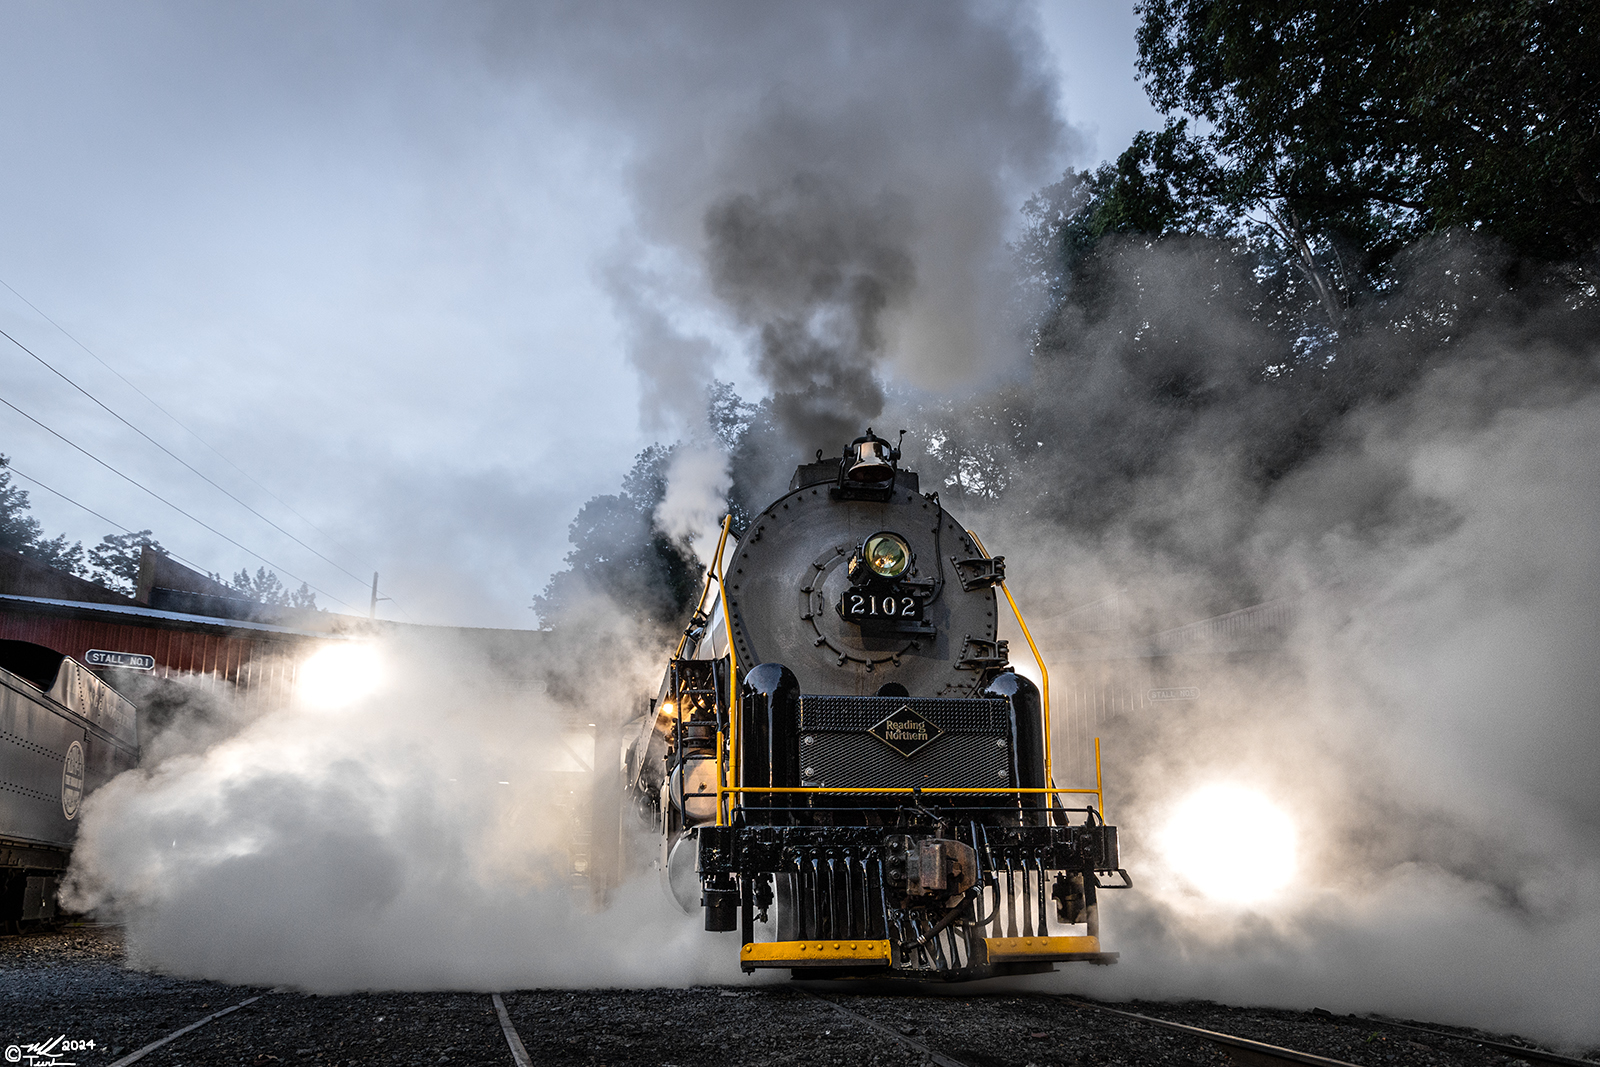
{"x":840,"y":740}
{"x":860,"y":588}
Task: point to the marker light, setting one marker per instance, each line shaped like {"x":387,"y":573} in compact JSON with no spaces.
{"x":337,"y":675}
{"x":1231,"y":843}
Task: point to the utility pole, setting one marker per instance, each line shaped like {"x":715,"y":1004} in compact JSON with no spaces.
{"x":372,"y":613}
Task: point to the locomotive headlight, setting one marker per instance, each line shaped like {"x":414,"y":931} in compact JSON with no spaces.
{"x":887,"y":555}
{"x":337,"y":675}
{"x":1231,"y":843}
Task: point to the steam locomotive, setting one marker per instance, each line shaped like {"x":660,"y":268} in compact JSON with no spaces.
{"x":842,"y":763}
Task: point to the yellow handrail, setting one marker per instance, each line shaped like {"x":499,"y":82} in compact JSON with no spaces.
{"x":905,"y":789}
{"x":1099,"y":792}
{"x":712,"y":575}
{"x":725,"y":774}
{"x":1044,"y":672}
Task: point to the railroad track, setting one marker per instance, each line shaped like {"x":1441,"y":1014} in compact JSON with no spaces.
{"x":1246,"y":1051}
{"x":1533,"y":1055}
{"x":1241,"y":1050}
{"x":945,"y":1037}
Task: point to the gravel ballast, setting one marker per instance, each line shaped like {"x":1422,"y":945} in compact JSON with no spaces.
{"x":76,"y":985}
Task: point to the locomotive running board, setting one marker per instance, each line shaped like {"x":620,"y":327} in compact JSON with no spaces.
{"x":1046,"y":950}
{"x":814,"y":954}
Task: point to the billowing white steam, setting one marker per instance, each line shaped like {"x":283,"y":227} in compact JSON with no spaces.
{"x":696,"y":498}
{"x":418,"y":837}
{"x":1430,"y":730}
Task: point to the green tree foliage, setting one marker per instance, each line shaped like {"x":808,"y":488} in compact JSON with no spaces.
{"x":265,"y":587}
{"x":20,"y":532}
{"x":1323,"y":139}
{"x":1353,"y":129}
{"x":618,"y":552}
{"x":114,"y":562}
{"x":1342,"y":197}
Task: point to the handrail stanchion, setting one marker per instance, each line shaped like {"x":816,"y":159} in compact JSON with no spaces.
{"x":733,"y":688}
{"x":1099,"y":790}
{"x":1044,"y":672}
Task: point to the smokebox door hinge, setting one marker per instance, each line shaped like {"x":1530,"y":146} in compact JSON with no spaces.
{"x":980,"y":572}
{"x":980,"y":655}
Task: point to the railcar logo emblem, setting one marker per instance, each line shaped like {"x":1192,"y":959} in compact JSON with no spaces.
{"x":72,"y":780}
{"x":905,"y":731}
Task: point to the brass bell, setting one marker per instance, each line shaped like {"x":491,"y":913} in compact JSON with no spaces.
{"x":871,"y":461}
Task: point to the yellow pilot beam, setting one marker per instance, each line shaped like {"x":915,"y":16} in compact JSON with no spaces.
{"x":1044,"y":672}
{"x":814,"y":953}
{"x":1024,"y":949}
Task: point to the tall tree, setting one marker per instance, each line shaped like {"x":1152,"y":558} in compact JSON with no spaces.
{"x":617,"y":551}
{"x":1352,"y":128}
{"x":20,"y":532}
{"x":265,"y":587}
{"x":114,"y":562}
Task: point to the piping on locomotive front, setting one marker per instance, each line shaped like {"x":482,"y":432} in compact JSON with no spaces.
{"x":841,"y":762}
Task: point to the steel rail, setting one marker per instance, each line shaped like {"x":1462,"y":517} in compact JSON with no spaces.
{"x":1522,"y":1051}
{"x":938,"y":1058}
{"x":1241,"y":1049}
{"x":519,"y":1054}
{"x":137,"y":1054}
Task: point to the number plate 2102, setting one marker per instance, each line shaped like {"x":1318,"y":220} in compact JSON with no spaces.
{"x":870,"y":607}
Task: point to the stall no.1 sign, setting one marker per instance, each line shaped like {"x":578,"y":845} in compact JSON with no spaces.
{"x":99,"y":657}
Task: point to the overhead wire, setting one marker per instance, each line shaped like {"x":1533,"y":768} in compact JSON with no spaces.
{"x":7,"y":466}
{"x":179,"y":422}
{"x":198,"y":473}
{"x":192,"y":433}
{"x":192,"y":518}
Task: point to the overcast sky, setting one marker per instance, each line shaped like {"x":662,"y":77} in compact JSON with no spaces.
{"x":370,"y":252}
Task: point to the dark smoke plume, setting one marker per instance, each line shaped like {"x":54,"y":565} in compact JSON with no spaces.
{"x":815,"y":271}
{"x":836,"y":178}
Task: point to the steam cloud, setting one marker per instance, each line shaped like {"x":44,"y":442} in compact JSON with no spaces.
{"x":416,"y":839}
{"x":837,"y":178}
{"x":696,"y":498}
{"x":1429,"y":725}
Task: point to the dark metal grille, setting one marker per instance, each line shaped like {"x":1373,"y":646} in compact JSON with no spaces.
{"x":836,"y":749}
{"x":850,"y":760}
{"x":959,"y":715}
